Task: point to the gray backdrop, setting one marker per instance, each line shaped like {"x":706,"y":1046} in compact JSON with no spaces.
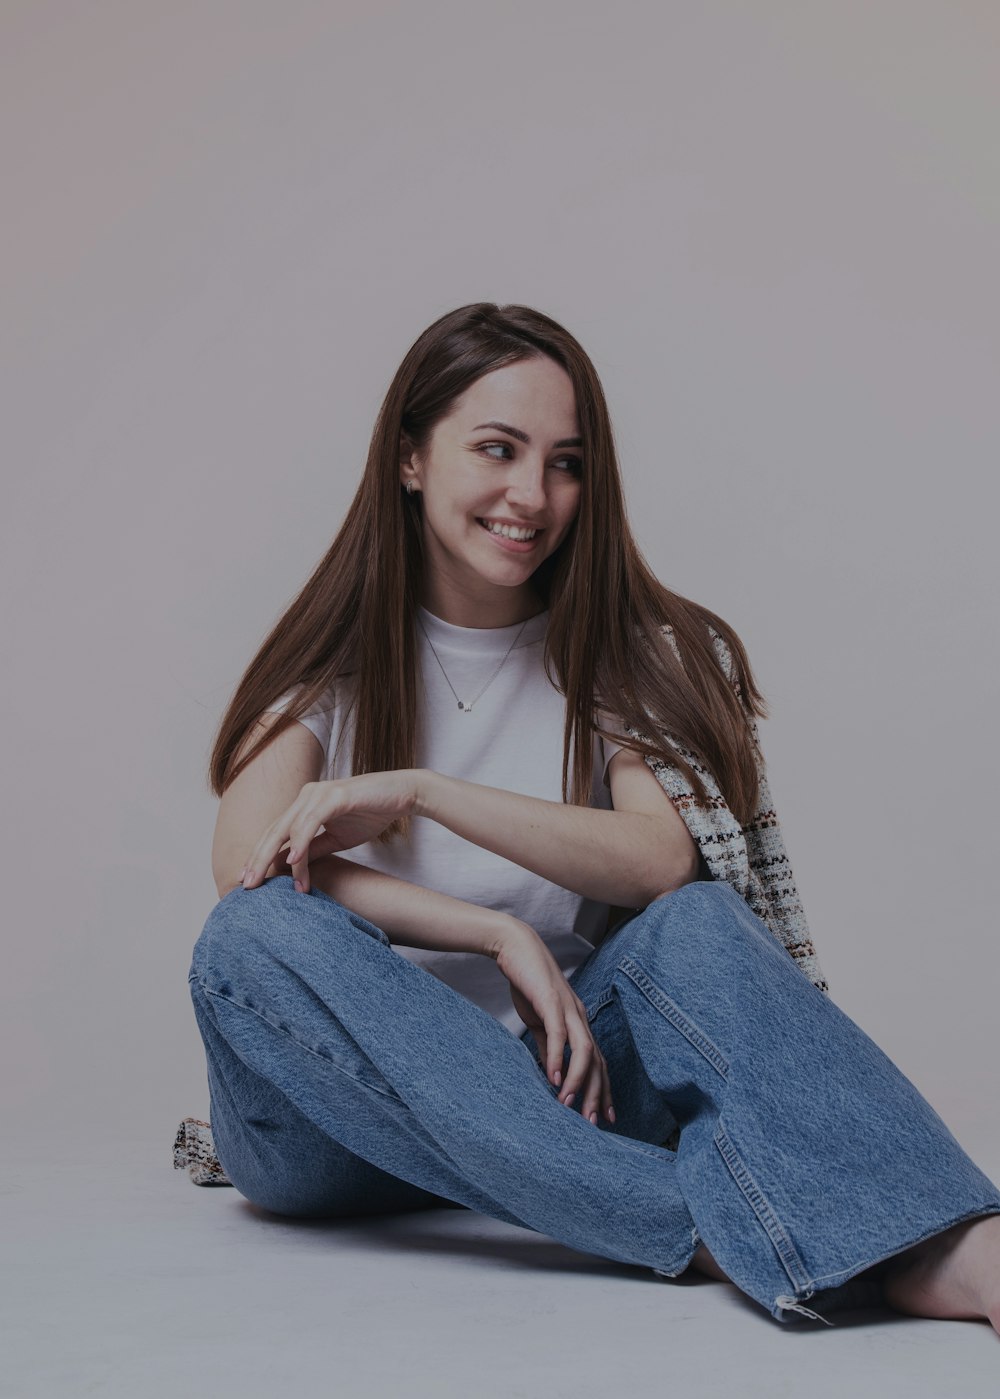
{"x":773,"y":226}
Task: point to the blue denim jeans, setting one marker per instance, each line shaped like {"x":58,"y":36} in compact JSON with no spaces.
{"x":346,"y":1080}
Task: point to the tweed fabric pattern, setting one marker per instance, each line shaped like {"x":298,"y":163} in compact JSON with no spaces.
{"x":194,"y":1152}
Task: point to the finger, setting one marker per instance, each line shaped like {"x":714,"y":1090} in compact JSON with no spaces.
{"x":606,"y":1103}
{"x":308,"y":840}
{"x":299,"y":867}
{"x":540,"y":1044}
{"x":581,"y":1059}
{"x":294,"y":827}
{"x":261,"y":856}
{"x":323,"y":844}
{"x":596,"y":1090}
{"x":602,"y":1090}
{"x":308,"y":851}
{"x":300,"y":839}
{"x":608,"y":1097}
{"x":280,"y":863}
{"x":555,"y":1045}
{"x":555,"y":1041}
{"x":262,"y":870}
{"x":295,"y":839}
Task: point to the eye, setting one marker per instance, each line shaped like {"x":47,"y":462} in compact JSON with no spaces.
{"x":573,"y":465}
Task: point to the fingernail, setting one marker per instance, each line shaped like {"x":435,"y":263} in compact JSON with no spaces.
{"x":593,"y":1118}
{"x":558,"y":1078}
{"x":569,"y":1100}
{"x":611,"y":1115}
{"x":298,"y":885}
{"x":293,"y":855}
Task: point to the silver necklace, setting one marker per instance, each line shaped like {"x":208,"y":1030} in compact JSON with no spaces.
{"x":467,"y":707}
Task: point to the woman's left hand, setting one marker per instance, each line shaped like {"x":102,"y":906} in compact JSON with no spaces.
{"x":352,"y":809}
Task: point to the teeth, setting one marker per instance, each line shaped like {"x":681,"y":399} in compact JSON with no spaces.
{"x":509,"y":531}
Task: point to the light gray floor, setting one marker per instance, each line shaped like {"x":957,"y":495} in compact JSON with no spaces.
{"x":122,"y":1278}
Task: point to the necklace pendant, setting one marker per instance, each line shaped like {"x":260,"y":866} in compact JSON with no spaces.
{"x":467,"y":708}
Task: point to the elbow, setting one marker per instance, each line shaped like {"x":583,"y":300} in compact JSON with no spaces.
{"x":680,"y":870}
{"x":226,"y":881}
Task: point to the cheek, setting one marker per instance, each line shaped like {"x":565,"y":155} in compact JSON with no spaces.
{"x":571,"y":511}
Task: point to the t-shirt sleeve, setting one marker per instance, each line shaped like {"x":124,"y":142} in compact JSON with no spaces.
{"x":318,"y":719}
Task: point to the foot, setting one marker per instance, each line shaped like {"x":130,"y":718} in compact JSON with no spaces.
{"x":953,"y":1275}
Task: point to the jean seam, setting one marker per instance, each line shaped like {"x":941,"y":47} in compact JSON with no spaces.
{"x":670,"y":1011}
{"x":762,"y":1208}
{"x":605,"y":1000}
{"x":223,"y":1085}
{"x":283,"y":1030}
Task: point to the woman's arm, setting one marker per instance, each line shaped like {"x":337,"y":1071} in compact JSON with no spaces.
{"x":628,"y":856}
{"x":411,"y":915}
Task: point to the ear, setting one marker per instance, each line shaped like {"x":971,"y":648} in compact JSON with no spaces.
{"x":408,"y":461}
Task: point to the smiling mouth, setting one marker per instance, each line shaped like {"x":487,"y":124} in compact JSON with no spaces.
{"x":512,"y":532}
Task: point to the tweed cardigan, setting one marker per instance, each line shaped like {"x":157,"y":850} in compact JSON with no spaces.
{"x":752,"y":858}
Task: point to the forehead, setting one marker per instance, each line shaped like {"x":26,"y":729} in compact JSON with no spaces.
{"x":535,"y":395}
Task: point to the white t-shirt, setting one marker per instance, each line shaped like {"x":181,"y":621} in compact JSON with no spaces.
{"x":511,"y":739}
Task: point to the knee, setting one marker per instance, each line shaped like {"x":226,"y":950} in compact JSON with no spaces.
{"x":701,"y":914}
{"x":701,"y":899}
{"x":246,"y":925}
{"x":243,"y":915}
{"x":251,"y":926}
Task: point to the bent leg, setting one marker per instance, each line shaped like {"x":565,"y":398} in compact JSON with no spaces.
{"x":806,"y":1156}
{"x":410,"y":1076}
{"x":276,"y":1156}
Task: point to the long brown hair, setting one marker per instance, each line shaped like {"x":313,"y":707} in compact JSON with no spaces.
{"x":604,"y":646}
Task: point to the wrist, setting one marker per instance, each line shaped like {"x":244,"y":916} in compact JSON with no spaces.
{"x":504,"y":931}
{"x":425,"y":784}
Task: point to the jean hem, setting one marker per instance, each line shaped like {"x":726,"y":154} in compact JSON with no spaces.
{"x":851,"y":1289}
{"x":689,"y":1252}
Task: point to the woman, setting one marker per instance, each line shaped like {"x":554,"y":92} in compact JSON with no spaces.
{"x":527,"y":745}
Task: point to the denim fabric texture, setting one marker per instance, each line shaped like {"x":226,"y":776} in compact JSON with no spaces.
{"x":347,"y":1080}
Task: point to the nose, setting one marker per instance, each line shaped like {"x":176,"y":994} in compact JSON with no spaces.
{"x":526,"y":486}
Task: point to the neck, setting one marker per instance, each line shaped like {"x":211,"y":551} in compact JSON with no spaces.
{"x":507,"y":610}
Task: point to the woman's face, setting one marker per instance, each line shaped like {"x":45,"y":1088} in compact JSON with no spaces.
{"x":507,"y":455}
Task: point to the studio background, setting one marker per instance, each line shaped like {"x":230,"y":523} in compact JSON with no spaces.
{"x":773,"y":227}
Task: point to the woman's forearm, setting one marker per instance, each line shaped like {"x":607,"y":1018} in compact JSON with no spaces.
{"x":411,"y":915}
{"x":613,"y":857}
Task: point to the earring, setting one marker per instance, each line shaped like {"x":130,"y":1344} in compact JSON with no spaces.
{"x":409,"y":487}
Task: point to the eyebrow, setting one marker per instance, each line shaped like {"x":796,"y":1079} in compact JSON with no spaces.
{"x":523,"y":436}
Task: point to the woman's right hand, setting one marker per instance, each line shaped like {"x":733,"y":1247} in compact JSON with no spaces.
{"x":553,"y":1012}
